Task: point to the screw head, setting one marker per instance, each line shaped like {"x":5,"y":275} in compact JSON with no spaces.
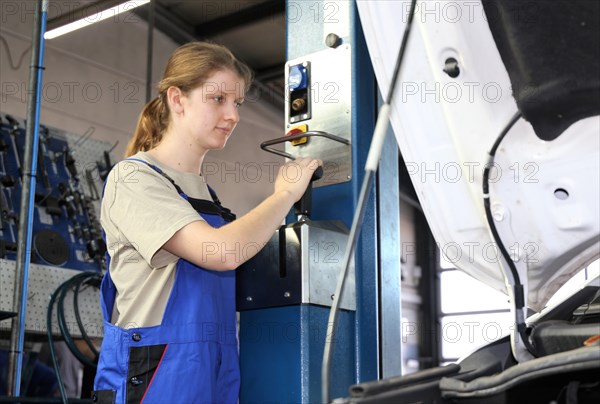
{"x":332,"y":40}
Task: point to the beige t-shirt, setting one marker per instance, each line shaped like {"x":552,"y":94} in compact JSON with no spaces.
{"x":141,"y":210}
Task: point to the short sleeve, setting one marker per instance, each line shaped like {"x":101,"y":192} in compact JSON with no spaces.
{"x":144,"y":208}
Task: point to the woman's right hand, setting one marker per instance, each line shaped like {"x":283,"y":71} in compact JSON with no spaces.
{"x":294,"y":176}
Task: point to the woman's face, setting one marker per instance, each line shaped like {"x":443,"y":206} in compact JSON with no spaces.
{"x":210,"y":112}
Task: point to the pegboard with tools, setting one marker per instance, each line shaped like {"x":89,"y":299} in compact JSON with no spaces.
{"x":66,"y":230}
{"x":66,"y":237}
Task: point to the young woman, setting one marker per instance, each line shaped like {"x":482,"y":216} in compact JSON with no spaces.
{"x":168,"y":298}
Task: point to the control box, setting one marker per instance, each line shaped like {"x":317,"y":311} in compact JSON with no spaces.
{"x":318,"y":101}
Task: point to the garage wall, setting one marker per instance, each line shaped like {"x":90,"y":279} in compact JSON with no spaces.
{"x":94,"y":82}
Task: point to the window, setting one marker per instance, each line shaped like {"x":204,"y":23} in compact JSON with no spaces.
{"x":472,"y":313}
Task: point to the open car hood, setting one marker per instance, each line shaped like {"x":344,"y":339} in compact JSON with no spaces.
{"x":539,"y":59}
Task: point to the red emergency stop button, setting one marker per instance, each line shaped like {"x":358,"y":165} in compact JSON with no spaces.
{"x":294,"y":131}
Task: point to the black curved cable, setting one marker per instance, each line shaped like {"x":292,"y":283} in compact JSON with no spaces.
{"x":62,"y":322}
{"x":58,"y":297}
{"x":61,"y":385}
{"x":519,"y":293}
{"x":84,"y":334}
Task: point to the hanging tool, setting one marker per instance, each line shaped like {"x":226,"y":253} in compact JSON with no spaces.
{"x":14,"y":133}
{"x":3,"y":145}
{"x":41,"y":153}
{"x":8,"y":213}
{"x":89,"y":178}
{"x":70,"y":163}
{"x":3,"y":208}
{"x":67,"y":200}
{"x":105,"y":167}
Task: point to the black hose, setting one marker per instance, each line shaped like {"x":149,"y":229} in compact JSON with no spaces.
{"x":486,"y":198}
{"x":61,"y":385}
{"x":62,"y":323}
{"x":60,"y":293}
{"x":518,"y":292}
{"x":84,"y":334}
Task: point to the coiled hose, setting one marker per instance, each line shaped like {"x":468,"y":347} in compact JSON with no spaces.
{"x":75,"y":284}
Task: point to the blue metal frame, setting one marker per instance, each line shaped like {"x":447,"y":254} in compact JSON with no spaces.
{"x":281,"y":348}
{"x":364,"y":112}
{"x":27,"y":201}
{"x":281,"y":351}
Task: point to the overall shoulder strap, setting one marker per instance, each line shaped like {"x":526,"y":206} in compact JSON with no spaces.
{"x":161,"y":172}
{"x":227,"y":214}
{"x":198,"y":204}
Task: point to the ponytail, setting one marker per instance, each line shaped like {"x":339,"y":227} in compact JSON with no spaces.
{"x":152,"y":123}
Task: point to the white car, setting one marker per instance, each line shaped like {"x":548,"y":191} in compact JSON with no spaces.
{"x":497,"y":116}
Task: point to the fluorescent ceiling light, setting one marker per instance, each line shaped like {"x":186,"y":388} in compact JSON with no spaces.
{"x":94,"y":18}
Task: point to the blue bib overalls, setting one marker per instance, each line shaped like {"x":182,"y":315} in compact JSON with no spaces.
{"x":192,"y":356}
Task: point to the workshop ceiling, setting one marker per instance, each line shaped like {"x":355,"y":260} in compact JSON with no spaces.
{"x":253,"y":29}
